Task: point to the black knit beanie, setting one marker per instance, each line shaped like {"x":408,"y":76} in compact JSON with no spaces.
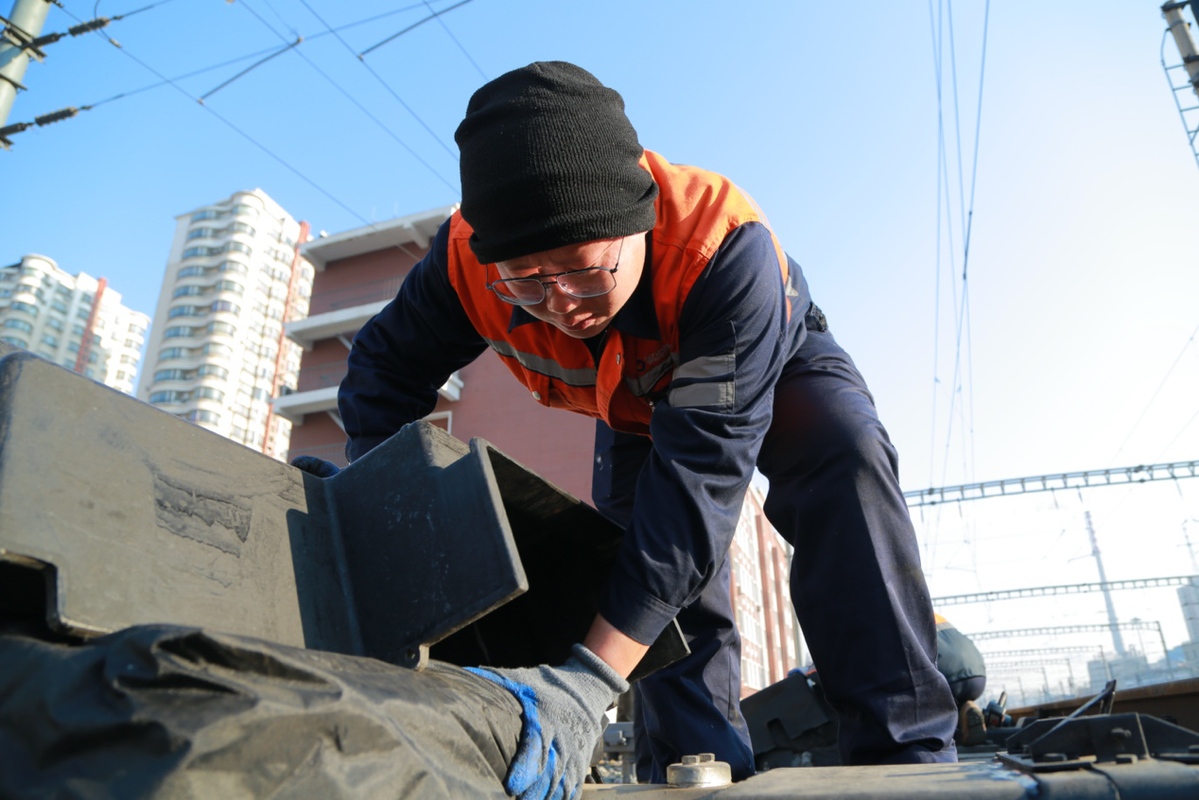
{"x":548,"y":158}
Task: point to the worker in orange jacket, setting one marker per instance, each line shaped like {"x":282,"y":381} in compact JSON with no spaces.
{"x":959,"y":660}
{"x":656,"y":298}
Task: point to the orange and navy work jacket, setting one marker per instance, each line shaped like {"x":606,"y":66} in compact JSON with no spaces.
{"x":690,"y":361}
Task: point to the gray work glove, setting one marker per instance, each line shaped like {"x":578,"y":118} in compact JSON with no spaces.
{"x":316,"y":466}
{"x":562,"y":708}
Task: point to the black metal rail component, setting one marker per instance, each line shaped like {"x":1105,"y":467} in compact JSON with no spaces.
{"x":1103,"y":742}
{"x":113,"y":514}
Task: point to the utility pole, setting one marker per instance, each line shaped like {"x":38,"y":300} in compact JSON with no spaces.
{"x":1180,"y":30}
{"x":23,"y":25}
{"x":1117,"y":639}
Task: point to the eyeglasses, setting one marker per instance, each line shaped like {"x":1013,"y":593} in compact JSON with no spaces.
{"x":578,"y":283}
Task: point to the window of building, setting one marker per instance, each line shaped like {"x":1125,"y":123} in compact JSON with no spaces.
{"x":177,"y":332}
{"x":203,"y":215}
{"x":185,"y":311}
{"x":171,"y":375}
{"x":199,"y":233}
{"x":241,"y":227}
{"x":74,"y":348}
{"x":6,"y":292}
{"x":243,"y":210}
{"x":120,"y":375}
{"x":210,"y":417}
{"x":186,"y":291}
{"x":136,"y":329}
{"x":83,"y":312}
{"x":234,"y":266}
{"x":170,"y":352}
{"x":240,"y":248}
{"x":189,"y":272}
{"x":222,"y":327}
{"x":25,"y":307}
{"x":54,"y":323}
{"x":50,"y":340}
{"x":128,"y":359}
{"x":15,"y":340}
{"x":216,"y":349}
{"x":20,"y":325}
{"x":212,"y":371}
{"x":77,"y":330}
{"x":208,"y":393}
{"x":36,"y":291}
{"x":59,"y":306}
{"x":225,"y":305}
{"x":229,"y":286}
{"x":89,"y":373}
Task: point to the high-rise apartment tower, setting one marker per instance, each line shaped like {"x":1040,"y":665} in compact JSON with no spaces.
{"x":74,"y":320}
{"x":217,"y":354}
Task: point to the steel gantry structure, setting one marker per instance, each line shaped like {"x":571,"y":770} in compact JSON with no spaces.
{"x":1073,"y":588}
{"x":1116,"y":476}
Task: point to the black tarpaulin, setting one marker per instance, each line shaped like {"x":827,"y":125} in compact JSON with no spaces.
{"x":170,"y":711}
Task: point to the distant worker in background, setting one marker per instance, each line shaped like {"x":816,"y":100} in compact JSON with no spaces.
{"x":655,"y":298}
{"x":962,"y":665}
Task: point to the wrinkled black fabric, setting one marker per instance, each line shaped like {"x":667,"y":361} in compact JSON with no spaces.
{"x":171,"y":711}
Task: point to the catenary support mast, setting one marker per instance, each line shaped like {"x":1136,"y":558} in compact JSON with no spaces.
{"x":23,"y":25}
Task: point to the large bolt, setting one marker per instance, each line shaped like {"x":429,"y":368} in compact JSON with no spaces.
{"x":699,"y":770}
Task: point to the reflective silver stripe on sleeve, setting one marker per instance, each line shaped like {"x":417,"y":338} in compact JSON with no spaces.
{"x":545,"y":366}
{"x":707,"y":367}
{"x":643,"y":385}
{"x":709,"y":393}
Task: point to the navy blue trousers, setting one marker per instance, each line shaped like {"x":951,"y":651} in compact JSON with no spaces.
{"x":856,"y":583}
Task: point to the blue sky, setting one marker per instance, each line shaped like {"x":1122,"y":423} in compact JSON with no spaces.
{"x":1082,"y":278}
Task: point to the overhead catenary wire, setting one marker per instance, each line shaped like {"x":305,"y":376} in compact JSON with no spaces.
{"x":454,"y":39}
{"x":414,"y":25}
{"x":962,"y":358}
{"x":272,"y":154}
{"x":1186,"y":346}
{"x":960,"y":410}
{"x":356,"y":102}
{"x":379,"y":77}
{"x":250,"y":68}
{"x":237,"y":59}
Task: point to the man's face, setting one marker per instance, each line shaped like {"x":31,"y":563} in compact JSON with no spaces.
{"x":581,"y":318}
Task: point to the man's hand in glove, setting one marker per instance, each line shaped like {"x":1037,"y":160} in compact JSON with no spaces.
{"x":316,"y":466}
{"x":561,"y":708}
